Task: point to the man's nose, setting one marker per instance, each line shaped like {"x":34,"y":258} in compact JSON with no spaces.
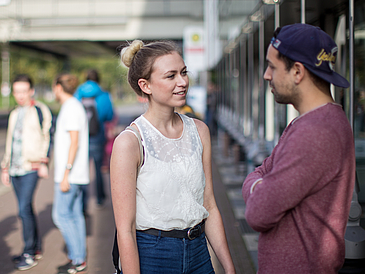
{"x":267,"y":74}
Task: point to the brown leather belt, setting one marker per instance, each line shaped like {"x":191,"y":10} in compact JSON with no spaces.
{"x":189,"y":233}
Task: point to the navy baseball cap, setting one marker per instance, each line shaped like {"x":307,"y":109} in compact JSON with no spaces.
{"x":312,"y":47}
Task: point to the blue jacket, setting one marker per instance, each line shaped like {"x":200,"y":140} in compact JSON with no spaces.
{"x":103,"y":105}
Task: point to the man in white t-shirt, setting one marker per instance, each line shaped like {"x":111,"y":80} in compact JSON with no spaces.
{"x":71,"y":161}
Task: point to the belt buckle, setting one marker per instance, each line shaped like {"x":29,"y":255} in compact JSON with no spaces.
{"x":193,"y":232}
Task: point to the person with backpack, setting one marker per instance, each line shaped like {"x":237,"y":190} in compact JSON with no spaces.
{"x":25,"y":161}
{"x":99,"y":109}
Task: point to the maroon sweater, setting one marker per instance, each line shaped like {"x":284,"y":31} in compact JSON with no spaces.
{"x":302,"y":205}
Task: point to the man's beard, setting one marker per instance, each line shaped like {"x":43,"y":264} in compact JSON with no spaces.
{"x":291,"y":97}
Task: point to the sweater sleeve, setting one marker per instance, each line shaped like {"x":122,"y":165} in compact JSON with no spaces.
{"x":297,"y":166}
{"x":260,"y":171}
{"x":256,"y":175}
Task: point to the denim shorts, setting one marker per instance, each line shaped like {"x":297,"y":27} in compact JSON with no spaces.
{"x":173,"y":255}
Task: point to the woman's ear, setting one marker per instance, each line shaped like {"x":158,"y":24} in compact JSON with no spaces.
{"x":144,"y":85}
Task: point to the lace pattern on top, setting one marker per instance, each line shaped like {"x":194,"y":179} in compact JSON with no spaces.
{"x":170,"y":185}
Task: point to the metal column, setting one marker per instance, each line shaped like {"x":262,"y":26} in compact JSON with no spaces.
{"x":355,"y":234}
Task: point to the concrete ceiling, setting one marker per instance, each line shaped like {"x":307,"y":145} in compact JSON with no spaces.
{"x":96,"y":27}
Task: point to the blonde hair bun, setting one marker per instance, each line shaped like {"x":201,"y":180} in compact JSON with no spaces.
{"x":129,"y":52}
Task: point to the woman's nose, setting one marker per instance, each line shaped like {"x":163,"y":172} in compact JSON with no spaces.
{"x":182,"y":80}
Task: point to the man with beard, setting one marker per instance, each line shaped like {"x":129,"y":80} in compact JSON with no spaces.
{"x":299,"y":198}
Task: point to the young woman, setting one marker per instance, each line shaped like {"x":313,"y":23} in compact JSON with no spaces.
{"x":163,"y":200}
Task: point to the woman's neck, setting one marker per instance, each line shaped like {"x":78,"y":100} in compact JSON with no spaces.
{"x":167,"y":122}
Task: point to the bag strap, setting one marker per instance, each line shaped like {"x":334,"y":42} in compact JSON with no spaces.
{"x":40,"y":115}
{"x":138,"y":135}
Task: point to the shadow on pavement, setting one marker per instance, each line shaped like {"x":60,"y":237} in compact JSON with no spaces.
{"x":7,"y":226}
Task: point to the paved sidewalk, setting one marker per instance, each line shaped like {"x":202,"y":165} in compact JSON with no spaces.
{"x":100,"y":232}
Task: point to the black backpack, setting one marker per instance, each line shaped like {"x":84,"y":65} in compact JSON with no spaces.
{"x":51,"y":130}
{"x":92,"y":115}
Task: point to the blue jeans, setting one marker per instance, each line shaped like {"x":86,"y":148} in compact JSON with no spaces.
{"x":172,"y":255}
{"x":68,"y":217}
{"x":24,"y":187}
{"x":96,"y":151}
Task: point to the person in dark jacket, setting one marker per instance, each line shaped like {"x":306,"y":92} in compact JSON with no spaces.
{"x":91,"y":89}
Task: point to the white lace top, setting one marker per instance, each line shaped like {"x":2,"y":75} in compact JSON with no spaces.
{"x":170,"y":184}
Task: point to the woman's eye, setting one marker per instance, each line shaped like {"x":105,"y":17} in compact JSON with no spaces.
{"x":185,"y":72}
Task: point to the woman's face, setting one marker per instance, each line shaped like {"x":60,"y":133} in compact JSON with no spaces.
{"x":169,"y":81}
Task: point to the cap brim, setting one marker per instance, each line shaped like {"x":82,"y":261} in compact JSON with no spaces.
{"x":333,"y":77}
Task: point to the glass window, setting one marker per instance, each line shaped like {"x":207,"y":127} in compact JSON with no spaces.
{"x":359,"y":96}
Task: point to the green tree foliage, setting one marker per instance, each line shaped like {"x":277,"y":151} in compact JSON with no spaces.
{"x":44,"y":67}
{"x":113,"y":76}
{"x":40,"y":66}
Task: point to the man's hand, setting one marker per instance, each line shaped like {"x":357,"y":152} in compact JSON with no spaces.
{"x":5,"y":177}
{"x":65,"y":185}
{"x":43,"y":171}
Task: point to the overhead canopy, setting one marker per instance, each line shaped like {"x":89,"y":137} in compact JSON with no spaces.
{"x":99,"y":26}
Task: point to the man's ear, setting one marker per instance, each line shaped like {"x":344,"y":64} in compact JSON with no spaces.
{"x":57,"y":87}
{"x":298,"y":72}
{"x":144,"y":85}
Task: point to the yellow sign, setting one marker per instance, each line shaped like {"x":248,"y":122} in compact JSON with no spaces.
{"x":195,"y":37}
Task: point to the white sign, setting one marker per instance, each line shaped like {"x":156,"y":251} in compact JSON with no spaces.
{"x":194,"y":50}
{"x":5,"y":89}
{"x":4,"y":2}
{"x":197,"y":99}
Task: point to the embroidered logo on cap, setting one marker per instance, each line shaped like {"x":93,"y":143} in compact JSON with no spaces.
{"x":275,"y":42}
{"x":327,"y":57}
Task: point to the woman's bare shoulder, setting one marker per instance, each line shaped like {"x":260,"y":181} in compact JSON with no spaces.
{"x":126,"y":140}
{"x":202,"y":128}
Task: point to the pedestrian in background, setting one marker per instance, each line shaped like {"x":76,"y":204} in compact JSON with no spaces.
{"x":111,"y":132}
{"x":91,"y":91}
{"x":71,"y":172}
{"x":211,"y":112}
{"x":164,"y":209}
{"x":25,"y":161}
{"x":299,"y":198}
